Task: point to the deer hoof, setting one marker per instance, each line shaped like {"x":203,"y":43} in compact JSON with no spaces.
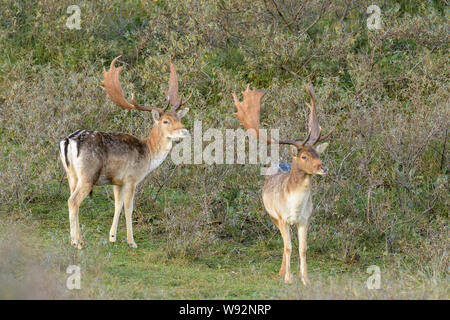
{"x":132,"y":244}
{"x":288,"y":278}
{"x":306,"y":281}
{"x":77,"y":244}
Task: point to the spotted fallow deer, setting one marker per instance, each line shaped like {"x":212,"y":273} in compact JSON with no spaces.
{"x":287,"y":193}
{"x":96,"y":158}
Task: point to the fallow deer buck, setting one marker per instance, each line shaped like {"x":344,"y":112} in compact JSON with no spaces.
{"x":119,"y":159}
{"x":287,"y":193}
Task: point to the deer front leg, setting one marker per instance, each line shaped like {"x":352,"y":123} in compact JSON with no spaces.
{"x":286,"y":234}
{"x":128,"y":201}
{"x":118,"y":204}
{"x":283,"y":266}
{"x":302,"y":247}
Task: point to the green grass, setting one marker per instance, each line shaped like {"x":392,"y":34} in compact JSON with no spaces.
{"x":224,"y":270}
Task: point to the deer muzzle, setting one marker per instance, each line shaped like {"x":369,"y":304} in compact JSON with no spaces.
{"x":179,"y":134}
{"x":323,"y":170}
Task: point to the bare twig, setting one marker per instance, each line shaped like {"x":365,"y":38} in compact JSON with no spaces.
{"x":294,"y":19}
{"x":444,"y":149}
{"x":347,"y":6}
{"x":167,"y":179}
{"x":281,"y":15}
{"x":322,"y":11}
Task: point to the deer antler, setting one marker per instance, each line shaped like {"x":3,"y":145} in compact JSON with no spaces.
{"x":114,"y":89}
{"x":172,"y":92}
{"x":248,"y":113}
{"x":313,"y":123}
{"x":248,"y":110}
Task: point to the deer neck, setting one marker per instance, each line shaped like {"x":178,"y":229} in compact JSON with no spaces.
{"x":158,"y":143}
{"x":298,"y":180}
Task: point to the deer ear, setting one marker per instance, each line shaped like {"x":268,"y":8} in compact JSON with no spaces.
{"x":183,"y":112}
{"x":155,"y":116}
{"x":294,"y":151}
{"x":321,"y":147}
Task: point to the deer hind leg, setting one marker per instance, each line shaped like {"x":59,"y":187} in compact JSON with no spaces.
{"x":118,"y":204}
{"x":128,"y":201}
{"x":283,"y":264}
{"x":286,"y":234}
{"x":73,"y":180}
{"x":302,"y":247}
{"x":81,"y":191}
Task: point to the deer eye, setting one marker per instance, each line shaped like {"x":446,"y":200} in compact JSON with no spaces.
{"x":304,"y":157}
{"x":166,"y":121}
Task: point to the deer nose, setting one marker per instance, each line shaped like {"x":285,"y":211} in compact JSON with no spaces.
{"x":324,"y":169}
{"x":182,"y":133}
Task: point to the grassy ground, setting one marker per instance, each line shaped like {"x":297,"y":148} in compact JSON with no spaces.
{"x":37,"y":243}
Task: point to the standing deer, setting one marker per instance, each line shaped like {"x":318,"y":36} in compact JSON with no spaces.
{"x":287,"y":193}
{"x":119,"y":159}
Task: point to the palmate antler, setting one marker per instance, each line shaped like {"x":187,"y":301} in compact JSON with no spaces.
{"x":172,"y":92}
{"x":115,"y":93}
{"x":248,"y":113}
{"x":248,"y":110}
{"x":313,"y":123}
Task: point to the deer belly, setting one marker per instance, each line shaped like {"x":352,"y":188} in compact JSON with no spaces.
{"x":103,"y":180}
{"x":299,"y":208}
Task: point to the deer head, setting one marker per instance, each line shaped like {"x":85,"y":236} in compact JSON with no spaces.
{"x":305,"y":152}
{"x":167,"y":121}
